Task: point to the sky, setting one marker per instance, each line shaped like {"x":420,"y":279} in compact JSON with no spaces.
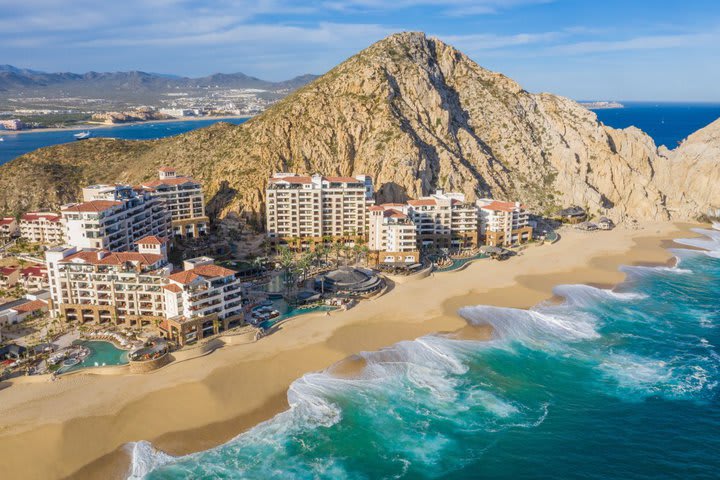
{"x":658,"y":50}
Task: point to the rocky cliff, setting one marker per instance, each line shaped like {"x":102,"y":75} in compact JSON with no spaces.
{"x":417,"y":115}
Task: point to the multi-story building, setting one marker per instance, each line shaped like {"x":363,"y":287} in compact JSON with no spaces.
{"x":100,"y":286}
{"x":34,"y":277}
{"x":503,"y":223}
{"x":201,"y":300}
{"x":114,"y":217}
{"x":305,"y":210}
{"x":42,"y":227}
{"x":140,"y":288}
{"x":183,"y":198}
{"x":444,"y":220}
{"x":392,"y":236}
{"x":8,"y":227}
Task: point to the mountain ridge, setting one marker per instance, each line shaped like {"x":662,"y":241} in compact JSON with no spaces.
{"x":417,"y":115}
{"x":15,"y":78}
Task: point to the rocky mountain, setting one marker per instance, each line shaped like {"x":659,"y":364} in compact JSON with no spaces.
{"x":14,"y":80}
{"x":417,"y":115}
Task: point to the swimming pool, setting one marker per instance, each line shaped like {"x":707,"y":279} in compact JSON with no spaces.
{"x":101,"y":354}
{"x":286,"y":311}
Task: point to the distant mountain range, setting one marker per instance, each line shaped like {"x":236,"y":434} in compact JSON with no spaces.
{"x":14,"y":79}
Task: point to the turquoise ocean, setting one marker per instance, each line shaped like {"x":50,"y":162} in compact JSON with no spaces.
{"x":609,"y":384}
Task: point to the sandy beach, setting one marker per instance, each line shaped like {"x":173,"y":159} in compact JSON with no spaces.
{"x":76,"y":427}
{"x":97,"y":125}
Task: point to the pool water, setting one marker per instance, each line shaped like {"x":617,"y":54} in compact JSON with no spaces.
{"x":101,"y":354}
{"x":287,"y":311}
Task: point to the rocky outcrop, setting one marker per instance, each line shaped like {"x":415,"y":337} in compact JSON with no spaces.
{"x":417,"y":115}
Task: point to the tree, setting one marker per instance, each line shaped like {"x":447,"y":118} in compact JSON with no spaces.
{"x":287,"y":263}
{"x":346,"y":249}
{"x":216,"y":325}
{"x":337,"y":249}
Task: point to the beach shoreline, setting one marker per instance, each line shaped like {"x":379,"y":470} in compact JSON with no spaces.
{"x":100,"y":126}
{"x":77,"y":426}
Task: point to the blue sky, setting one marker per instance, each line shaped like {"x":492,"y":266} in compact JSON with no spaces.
{"x":609,"y":49}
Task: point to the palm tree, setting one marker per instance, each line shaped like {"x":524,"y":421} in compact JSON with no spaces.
{"x":287,"y":263}
{"x":216,"y":325}
{"x":337,"y":248}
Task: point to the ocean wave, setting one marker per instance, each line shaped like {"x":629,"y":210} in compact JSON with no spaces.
{"x":145,"y":458}
{"x":579,"y":295}
{"x":532,"y":326}
{"x":642,"y":271}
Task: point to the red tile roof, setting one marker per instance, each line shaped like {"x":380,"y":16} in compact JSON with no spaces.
{"x":34,"y":271}
{"x":185,"y":277}
{"x":5,"y":271}
{"x":173,"y":288}
{"x":152,"y":240}
{"x":376,"y":208}
{"x":92,"y":206}
{"x":213,"y":271}
{"x":392,"y":213}
{"x":31,"y":306}
{"x":35,"y":216}
{"x":296,"y":179}
{"x":423,"y":202}
{"x":501,"y":206}
{"x":6,"y":221}
{"x":118,"y":258}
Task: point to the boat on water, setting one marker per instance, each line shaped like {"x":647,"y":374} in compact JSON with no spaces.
{"x":82,"y":135}
{"x":2,"y":139}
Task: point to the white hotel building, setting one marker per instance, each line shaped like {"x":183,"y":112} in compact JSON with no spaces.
{"x":184,"y":200}
{"x":444,"y":220}
{"x":140,"y":288}
{"x":114,"y":217}
{"x":392,"y":235}
{"x":305,"y":210}
{"x":503,"y":223}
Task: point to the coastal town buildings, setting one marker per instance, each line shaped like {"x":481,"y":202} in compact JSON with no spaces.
{"x":13,"y":124}
{"x":140,"y":288}
{"x":503,"y":223}
{"x":114,"y":217}
{"x":444,"y":220}
{"x":42,"y":227}
{"x":302,"y":211}
{"x":183,"y":199}
{"x":8,"y":227}
{"x":392,"y":236}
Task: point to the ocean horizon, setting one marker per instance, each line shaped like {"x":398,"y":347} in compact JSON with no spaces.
{"x":611,"y":383}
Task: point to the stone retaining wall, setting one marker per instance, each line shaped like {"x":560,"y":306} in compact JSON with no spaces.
{"x":150,"y":365}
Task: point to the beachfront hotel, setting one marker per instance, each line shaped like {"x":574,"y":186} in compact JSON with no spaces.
{"x":392,"y":236}
{"x":201,"y":300}
{"x":42,"y":227}
{"x":444,"y":220}
{"x":140,"y":288}
{"x":302,"y":211}
{"x":183,"y":198}
{"x":114,"y":217}
{"x":503,"y":223}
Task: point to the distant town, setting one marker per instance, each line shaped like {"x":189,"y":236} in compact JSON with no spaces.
{"x":34,"y":100}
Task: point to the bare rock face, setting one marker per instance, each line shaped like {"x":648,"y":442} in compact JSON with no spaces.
{"x":417,"y":115}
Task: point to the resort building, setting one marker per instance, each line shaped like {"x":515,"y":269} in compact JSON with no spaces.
{"x":302,"y":211}
{"x":503,"y":223}
{"x":140,"y":288}
{"x":18,"y":310}
{"x":42,"y":227}
{"x":201,"y":300}
{"x":183,"y":199}
{"x":100,"y":286}
{"x":114,"y":217}
{"x":392,"y":237}
{"x":8,"y":227}
{"x":444,"y":220}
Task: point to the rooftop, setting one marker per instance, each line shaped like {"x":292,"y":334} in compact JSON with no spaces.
{"x":34,"y":216}
{"x":92,"y":206}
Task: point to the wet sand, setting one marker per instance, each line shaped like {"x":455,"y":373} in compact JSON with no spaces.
{"x":76,"y":427}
